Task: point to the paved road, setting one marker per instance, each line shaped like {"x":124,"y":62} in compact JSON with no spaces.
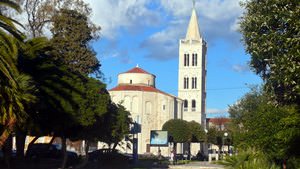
{"x":197,"y":165}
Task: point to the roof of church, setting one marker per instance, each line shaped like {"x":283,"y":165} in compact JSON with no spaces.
{"x":138,"y":88}
{"x":137,"y":70}
{"x":193,"y":28}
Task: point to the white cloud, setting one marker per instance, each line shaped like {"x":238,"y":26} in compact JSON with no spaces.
{"x":216,"y":111}
{"x":241,"y":68}
{"x":114,"y":15}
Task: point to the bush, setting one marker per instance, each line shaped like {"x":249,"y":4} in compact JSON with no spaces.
{"x":249,"y":159}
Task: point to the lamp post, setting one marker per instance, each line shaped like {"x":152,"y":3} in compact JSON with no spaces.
{"x":225,"y":136}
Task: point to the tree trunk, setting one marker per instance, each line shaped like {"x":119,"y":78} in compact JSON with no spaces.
{"x":114,"y":146}
{"x":64,"y":152}
{"x":34,"y":139}
{"x":8,"y":128}
{"x":7,"y":147}
{"x":20,"y":143}
{"x":84,"y":163}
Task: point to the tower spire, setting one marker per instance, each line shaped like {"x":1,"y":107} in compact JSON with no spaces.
{"x":193,"y":28}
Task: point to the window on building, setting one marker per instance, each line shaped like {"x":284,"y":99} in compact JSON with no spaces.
{"x":164,"y":107}
{"x":194,"y":82}
{"x":186,"y":59}
{"x":185,"y":105}
{"x":130,"y":82}
{"x":194,"y":59}
{"x":186,"y":83}
{"x":193,"y":105}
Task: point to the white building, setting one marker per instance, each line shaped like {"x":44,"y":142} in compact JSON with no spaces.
{"x":192,"y":75}
{"x":151,"y":107}
{"x":148,"y":106}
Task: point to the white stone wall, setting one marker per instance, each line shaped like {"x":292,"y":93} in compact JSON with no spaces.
{"x":151,"y":110}
{"x":137,"y":78}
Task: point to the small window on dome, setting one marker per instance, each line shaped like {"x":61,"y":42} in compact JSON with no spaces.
{"x":130,"y":82}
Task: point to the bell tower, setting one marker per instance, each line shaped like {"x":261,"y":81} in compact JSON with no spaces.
{"x":192,"y":72}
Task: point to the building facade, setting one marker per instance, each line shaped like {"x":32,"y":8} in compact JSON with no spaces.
{"x":192,"y":72}
{"x":192,"y":77}
{"x":149,"y":106}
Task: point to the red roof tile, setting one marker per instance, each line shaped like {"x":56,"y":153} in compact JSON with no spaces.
{"x":219,"y":120}
{"x":138,"y":88}
{"x":137,"y":70}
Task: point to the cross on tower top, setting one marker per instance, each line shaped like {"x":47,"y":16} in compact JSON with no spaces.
{"x":194,"y":3}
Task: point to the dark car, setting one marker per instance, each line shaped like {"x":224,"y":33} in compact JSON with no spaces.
{"x":106,"y":155}
{"x":42,"y":150}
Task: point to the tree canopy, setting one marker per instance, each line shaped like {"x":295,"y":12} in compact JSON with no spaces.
{"x":179,"y":130}
{"x":71,"y":37}
{"x":271,"y":129}
{"x":271,"y":33}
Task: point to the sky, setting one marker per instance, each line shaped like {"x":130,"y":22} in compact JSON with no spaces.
{"x":147,"y":33}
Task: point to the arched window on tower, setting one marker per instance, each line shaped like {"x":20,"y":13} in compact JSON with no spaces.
{"x":185,"y":105}
{"x":186,"y":59}
{"x":194,"y":82}
{"x":194,"y":59}
{"x":193,"y":105}
{"x":186,"y":83}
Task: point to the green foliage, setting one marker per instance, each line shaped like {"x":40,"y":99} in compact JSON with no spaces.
{"x":271,"y":33}
{"x":179,"y":130}
{"x":115,"y":124}
{"x":248,"y":159}
{"x":274,"y":130}
{"x":198,"y":133}
{"x":71,"y":37}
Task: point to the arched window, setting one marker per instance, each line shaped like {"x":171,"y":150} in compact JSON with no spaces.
{"x":185,"y":105}
{"x":193,"y":105}
{"x":186,"y":83}
{"x":194,"y":82}
{"x":186,"y":59}
{"x":194,"y":59}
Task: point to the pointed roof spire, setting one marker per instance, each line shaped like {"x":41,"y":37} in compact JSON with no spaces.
{"x":193,"y":29}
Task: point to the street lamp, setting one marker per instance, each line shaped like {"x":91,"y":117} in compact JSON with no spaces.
{"x":225,"y":136}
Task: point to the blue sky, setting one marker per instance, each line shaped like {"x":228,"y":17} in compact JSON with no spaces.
{"x":146,"y":32}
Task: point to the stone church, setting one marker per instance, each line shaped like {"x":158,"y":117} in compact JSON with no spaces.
{"x":151,"y":107}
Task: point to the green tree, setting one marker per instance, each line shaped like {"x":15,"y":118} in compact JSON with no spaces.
{"x":273,"y":130}
{"x":198,"y":133}
{"x":71,"y":37}
{"x":40,"y":12}
{"x":115,"y":125}
{"x":15,"y":88}
{"x":178,"y":130}
{"x":271,"y":33}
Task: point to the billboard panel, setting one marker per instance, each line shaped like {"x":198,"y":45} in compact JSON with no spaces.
{"x":158,"y":138}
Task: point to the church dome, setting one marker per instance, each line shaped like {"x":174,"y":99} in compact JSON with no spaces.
{"x":136,"y":76}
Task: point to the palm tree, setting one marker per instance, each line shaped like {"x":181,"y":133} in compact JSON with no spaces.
{"x":8,"y":24}
{"x":15,"y":87}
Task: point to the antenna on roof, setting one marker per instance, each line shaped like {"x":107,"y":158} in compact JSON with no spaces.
{"x":137,"y":65}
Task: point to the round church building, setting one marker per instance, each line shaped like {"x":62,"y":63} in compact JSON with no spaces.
{"x":148,"y":106}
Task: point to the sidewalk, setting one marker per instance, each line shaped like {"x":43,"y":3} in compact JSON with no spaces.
{"x":197,"y":165}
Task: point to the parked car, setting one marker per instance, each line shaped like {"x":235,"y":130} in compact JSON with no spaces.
{"x":106,"y":155}
{"x":42,"y":150}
